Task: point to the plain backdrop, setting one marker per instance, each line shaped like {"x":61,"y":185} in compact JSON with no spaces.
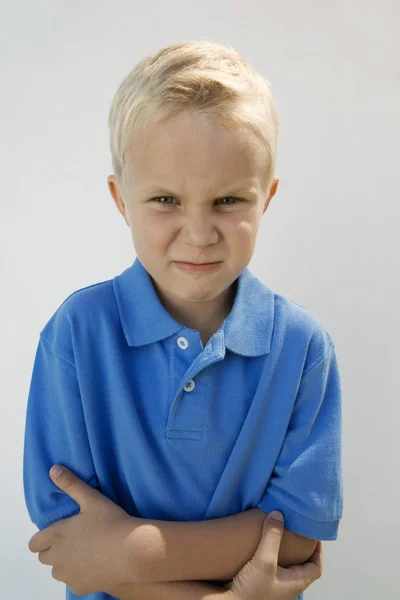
{"x":328,"y":241}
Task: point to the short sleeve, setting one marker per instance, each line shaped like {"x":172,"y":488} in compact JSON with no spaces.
{"x":306,"y":484}
{"x":55,"y":432}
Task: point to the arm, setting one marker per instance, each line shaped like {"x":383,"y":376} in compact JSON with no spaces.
{"x":206,"y":550}
{"x":55,"y":432}
{"x":170,"y":590}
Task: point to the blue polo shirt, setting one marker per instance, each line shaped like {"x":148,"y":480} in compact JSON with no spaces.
{"x":129,"y":400}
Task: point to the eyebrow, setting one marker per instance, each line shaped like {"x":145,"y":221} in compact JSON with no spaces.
{"x":239,"y":188}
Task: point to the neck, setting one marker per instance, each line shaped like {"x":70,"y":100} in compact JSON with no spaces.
{"x":204,"y":317}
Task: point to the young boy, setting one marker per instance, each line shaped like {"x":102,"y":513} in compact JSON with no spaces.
{"x":184,"y":388}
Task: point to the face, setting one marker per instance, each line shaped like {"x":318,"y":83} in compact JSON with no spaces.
{"x":196,"y":193}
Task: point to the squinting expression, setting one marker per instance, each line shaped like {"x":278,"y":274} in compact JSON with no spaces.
{"x":194,"y":193}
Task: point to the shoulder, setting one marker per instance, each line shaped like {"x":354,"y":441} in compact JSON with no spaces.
{"x":303,"y":329}
{"x":80,"y":309}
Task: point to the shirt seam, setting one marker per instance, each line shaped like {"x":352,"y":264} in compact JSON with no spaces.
{"x":287,"y":507}
{"x":55,"y":353}
{"x":319,"y":361}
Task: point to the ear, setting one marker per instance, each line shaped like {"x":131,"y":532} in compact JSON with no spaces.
{"x":272,"y":192}
{"x":117,"y":196}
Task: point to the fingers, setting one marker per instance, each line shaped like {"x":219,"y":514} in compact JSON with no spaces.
{"x":308,"y":572}
{"x":299,"y":577}
{"x":318,"y":557}
{"x":45,"y":557}
{"x":268,"y":549}
{"x":39,"y":542}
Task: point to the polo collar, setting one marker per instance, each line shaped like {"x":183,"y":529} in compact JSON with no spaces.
{"x":247,"y":329}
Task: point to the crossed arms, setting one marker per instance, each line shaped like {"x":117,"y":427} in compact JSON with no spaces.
{"x":171,"y":560}
{"x":207,"y":550}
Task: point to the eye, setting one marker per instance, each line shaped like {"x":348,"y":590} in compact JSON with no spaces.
{"x":159,"y":198}
{"x":231,"y":198}
{"x":236,"y":200}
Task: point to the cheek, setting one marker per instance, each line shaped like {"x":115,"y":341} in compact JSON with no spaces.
{"x":145,"y":221}
{"x":244,"y":231}
{"x":157,"y":221}
{"x":152,"y":230}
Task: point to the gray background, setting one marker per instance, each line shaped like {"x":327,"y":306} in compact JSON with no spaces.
{"x":329,"y":240}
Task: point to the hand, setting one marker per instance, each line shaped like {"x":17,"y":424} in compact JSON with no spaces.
{"x":87,"y":549}
{"x":262,"y":577}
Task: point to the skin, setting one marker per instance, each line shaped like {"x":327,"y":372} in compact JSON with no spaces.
{"x":195,"y":169}
{"x":85,"y":553}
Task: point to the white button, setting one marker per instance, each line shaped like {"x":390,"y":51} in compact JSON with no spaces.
{"x":189,"y":386}
{"x":182,"y":343}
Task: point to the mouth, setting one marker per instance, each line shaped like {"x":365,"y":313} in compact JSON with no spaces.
{"x":197,"y":266}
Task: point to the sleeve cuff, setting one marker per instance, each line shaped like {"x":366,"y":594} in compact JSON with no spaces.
{"x":297,"y":523}
{"x":56,"y":516}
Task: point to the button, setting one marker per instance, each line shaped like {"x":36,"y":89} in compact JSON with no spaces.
{"x":189,"y":386}
{"x":182,"y":343}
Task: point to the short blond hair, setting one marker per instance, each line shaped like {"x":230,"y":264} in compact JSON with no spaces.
{"x":208,"y":77}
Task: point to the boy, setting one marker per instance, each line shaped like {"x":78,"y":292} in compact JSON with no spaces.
{"x":184,"y":388}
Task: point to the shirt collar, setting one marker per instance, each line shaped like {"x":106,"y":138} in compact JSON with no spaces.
{"x":247,"y":329}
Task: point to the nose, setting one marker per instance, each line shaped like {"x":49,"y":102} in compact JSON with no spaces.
{"x":198,"y":229}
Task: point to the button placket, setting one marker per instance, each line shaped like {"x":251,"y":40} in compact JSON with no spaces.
{"x":188,"y":413}
{"x":184,"y":344}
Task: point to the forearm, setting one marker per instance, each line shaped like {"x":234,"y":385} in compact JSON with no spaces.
{"x":216,"y":549}
{"x":168,"y":590}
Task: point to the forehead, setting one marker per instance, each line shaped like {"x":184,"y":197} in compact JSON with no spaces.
{"x":188,"y":148}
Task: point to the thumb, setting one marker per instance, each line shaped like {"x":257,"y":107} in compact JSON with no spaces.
{"x":70,"y":483}
{"x":271,"y":538}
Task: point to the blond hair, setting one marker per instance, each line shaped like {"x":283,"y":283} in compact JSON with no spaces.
{"x":208,"y":77}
